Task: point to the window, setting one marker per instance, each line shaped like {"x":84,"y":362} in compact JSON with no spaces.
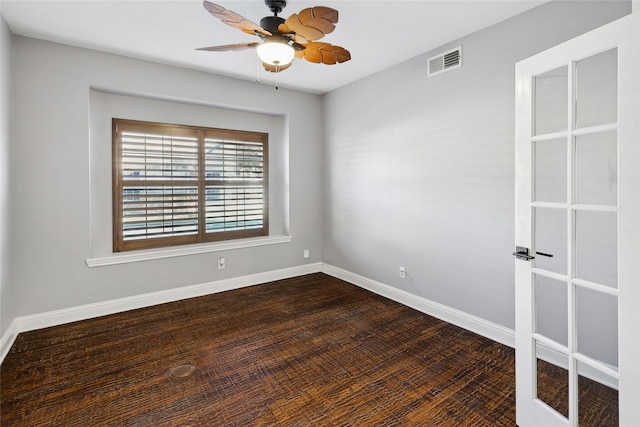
{"x":175,"y":185}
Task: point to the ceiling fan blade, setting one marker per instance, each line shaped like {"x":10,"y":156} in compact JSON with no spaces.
{"x":325,"y":53}
{"x":272,"y":68}
{"x":234,"y":20}
{"x":310,"y":24}
{"x":229,"y":47}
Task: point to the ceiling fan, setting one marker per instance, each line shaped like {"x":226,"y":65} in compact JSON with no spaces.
{"x":282,"y":40}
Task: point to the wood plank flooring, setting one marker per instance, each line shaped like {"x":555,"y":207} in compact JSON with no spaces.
{"x":307,"y":351}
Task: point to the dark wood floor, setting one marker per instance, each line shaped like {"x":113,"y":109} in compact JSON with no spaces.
{"x":308,"y":351}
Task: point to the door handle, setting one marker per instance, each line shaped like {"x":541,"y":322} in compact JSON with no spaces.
{"x":523,"y":253}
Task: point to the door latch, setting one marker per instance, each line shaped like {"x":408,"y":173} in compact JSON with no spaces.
{"x":523,"y":253}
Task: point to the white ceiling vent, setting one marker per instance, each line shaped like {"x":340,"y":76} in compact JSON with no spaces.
{"x":445,"y":61}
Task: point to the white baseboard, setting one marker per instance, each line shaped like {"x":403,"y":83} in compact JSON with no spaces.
{"x":459,"y":318}
{"x":7,"y":339}
{"x":88,"y":311}
{"x":58,"y":317}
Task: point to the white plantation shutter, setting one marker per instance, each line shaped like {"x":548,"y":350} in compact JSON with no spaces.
{"x":180,"y":184}
{"x":234,"y":184}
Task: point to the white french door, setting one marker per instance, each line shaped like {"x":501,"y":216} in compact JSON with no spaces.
{"x":577,"y":263}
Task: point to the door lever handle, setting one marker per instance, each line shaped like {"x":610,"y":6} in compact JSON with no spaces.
{"x":544,"y":254}
{"x":523,"y":253}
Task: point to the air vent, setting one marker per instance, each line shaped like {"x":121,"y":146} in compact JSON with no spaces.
{"x":445,"y":61}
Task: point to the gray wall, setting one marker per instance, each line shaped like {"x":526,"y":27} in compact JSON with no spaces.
{"x":53,"y":158}
{"x":414,"y":171}
{"x":419,"y":172}
{"x":6,"y":287}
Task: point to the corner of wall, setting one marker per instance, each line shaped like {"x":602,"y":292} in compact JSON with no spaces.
{"x":7,"y":311}
{"x":7,"y":339}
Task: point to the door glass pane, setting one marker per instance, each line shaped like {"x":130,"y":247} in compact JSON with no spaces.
{"x":597,"y":89}
{"x":550,"y":171}
{"x":597,"y":325}
{"x":597,"y":169}
{"x":597,"y":247}
{"x":552,"y":379}
{"x":551,"y":309}
{"x":550,"y":100}
{"x":597,"y":398}
{"x":551,"y":239}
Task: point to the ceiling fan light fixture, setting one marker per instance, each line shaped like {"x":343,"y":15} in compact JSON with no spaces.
{"x":276,"y":53}
{"x":284,"y":39}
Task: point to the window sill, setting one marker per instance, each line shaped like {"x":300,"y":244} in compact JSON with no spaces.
{"x":136,"y":256}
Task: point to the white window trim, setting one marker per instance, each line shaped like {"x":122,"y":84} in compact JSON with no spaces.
{"x":160,"y":253}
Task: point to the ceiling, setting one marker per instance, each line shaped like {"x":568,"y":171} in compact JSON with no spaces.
{"x":378,"y":34}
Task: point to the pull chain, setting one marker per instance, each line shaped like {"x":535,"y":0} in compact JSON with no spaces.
{"x":257,"y":70}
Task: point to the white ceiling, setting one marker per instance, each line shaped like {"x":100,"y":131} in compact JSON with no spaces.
{"x":378,"y":34}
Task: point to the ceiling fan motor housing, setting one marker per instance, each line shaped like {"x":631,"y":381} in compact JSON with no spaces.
{"x":271,"y":23}
{"x":275,"y":6}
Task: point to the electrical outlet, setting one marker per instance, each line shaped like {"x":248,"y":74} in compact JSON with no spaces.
{"x":403,"y":273}
{"x":221,"y":263}
{"x":305,"y":254}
